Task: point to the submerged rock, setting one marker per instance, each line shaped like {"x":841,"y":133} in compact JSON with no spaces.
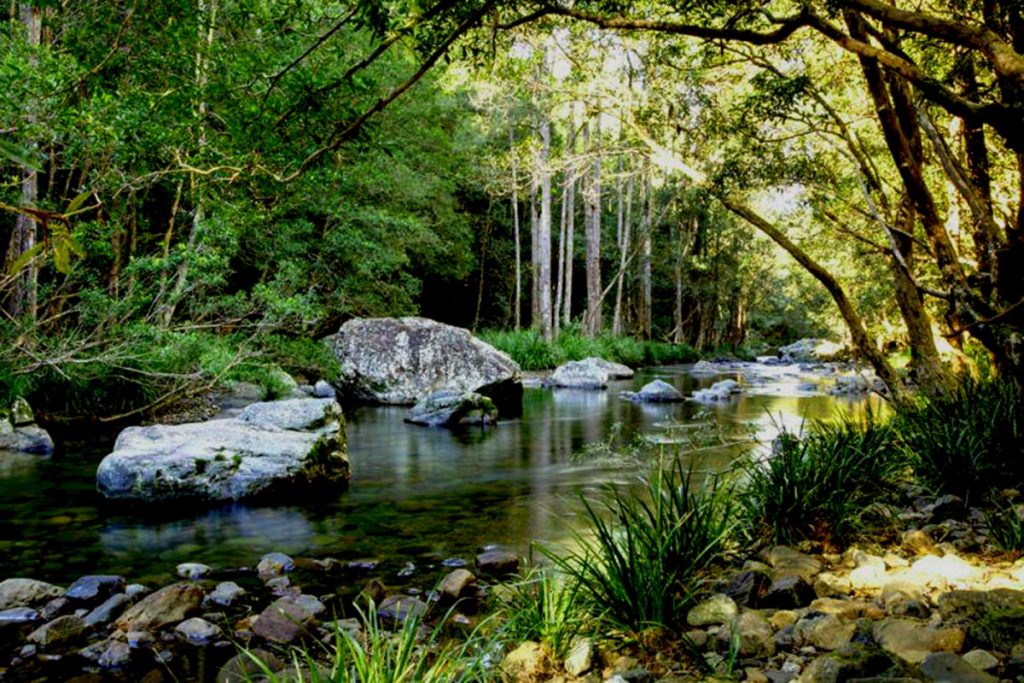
{"x":19,"y":432}
{"x":402,"y":360}
{"x":271,"y":448}
{"x":703,"y":367}
{"x":809,"y":350}
{"x":451,"y":408}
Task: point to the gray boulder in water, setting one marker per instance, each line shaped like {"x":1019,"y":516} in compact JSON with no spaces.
{"x":402,"y":360}
{"x":451,"y":408}
{"x":19,"y":432}
{"x":719,"y":391}
{"x":580,"y":374}
{"x":658,"y":391}
{"x":278,"y":448}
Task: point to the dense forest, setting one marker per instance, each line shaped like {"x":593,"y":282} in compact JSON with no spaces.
{"x":194,"y":190}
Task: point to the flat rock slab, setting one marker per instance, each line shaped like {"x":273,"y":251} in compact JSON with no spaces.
{"x":166,"y":606}
{"x":278,"y":448}
{"x":402,"y":360}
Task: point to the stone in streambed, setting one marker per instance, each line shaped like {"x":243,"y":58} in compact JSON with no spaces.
{"x":166,"y":606}
{"x":197,"y":631}
{"x":946,"y":667}
{"x":274,"y":564}
{"x":580,"y":374}
{"x":497,"y":562}
{"x":116,"y":655}
{"x":58,"y":632}
{"x":456,"y":583}
{"x":658,"y":391}
{"x":18,"y":615}
{"x":26,"y":593}
{"x":823,"y":631}
{"x":107,"y":610}
{"x":278,"y":448}
{"x":287,"y":618}
{"x":401,"y":360}
{"x":527,"y":662}
{"x":95,"y":588}
{"x":224,"y":594}
{"x":913,"y":641}
{"x":396,"y":609}
{"x":449,"y":408}
{"x":718,"y":392}
{"x":718,"y":609}
{"x":192,"y":570}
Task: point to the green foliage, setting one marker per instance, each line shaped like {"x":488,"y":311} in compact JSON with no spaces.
{"x":819,"y":485}
{"x":545,"y":606}
{"x":970,"y":442}
{"x":1005,"y":522}
{"x":382,"y":656}
{"x":529,"y":349}
{"x":643,"y":557}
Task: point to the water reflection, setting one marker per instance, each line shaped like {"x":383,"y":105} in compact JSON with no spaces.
{"x":417,"y":493}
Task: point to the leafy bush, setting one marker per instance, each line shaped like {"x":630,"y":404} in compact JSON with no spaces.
{"x":531,"y":352}
{"x":642,"y":560}
{"x":817,"y":486}
{"x":545,"y":606}
{"x":970,"y":442}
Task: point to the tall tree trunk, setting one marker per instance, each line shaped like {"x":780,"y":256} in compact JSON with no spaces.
{"x":23,"y":297}
{"x":544,"y":232}
{"x":647,"y":305}
{"x":624,"y":247}
{"x":515,"y":230}
{"x":556,"y":316}
{"x":570,"y":237}
{"x":593,"y":234}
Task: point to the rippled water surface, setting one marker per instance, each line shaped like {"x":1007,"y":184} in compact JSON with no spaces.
{"x":417,"y":493}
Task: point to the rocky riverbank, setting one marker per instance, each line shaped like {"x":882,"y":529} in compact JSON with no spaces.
{"x":103,"y":628}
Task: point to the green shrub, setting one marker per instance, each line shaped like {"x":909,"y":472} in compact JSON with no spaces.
{"x":643,"y":557}
{"x":381,"y":656}
{"x":818,"y":486}
{"x":546,"y":607}
{"x":531,"y":352}
{"x":969,"y":443}
{"x":1005,"y":522}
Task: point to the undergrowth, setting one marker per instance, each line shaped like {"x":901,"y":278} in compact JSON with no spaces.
{"x":531,"y":352}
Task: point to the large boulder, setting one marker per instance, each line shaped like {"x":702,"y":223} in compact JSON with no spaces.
{"x":614,"y":370}
{"x":402,"y":360}
{"x":451,"y":409}
{"x":657,"y":391}
{"x":278,"y":448}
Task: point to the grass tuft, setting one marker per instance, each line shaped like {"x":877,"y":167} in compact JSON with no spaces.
{"x":818,"y":486}
{"x":643,"y":557}
{"x":546,"y":606}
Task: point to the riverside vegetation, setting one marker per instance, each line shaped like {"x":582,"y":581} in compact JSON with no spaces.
{"x":683,"y":577}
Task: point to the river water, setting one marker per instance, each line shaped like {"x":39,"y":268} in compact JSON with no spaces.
{"x":417,"y":495}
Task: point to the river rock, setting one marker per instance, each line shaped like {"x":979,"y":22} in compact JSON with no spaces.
{"x":614,"y":370}
{"x":192,"y":570}
{"x":396,"y":609}
{"x":28,"y":439}
{"x":18,"y":615}
{"x":946,"y":667}
{"x":580,"y":374}
{"x":402,"y":360}
{"x":527,"y":662}
{"x":449,"y":408}
{"x":718,"y":609}
{"x":115,"y":655}
{"x":274,"y":564}
{"x":26,"y":593}
{"x":753,"y":633}
{"x":658,"y":391}
{"x":850,"y":385}
{"x":58,"y":632}
{"x":823,"y":631}
{"x":497,"y":562}
{"x":108,"y":610}
{"x":719,"y":391}
{"x":168,"y":605}
{"x":323,"y":389}
{"x":271,"y":448}
{"x":912,"y":641}
{"x":287,"y":618}
{"x":224,"y":594}
{"x":197,"y":631}
{"x":455,"y":584}
{"x":95,"y":587}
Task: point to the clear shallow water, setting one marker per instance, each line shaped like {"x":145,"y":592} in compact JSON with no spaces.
{"x":417,"y":494}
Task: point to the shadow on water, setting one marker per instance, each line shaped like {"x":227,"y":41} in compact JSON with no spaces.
{"x":417,"y":494}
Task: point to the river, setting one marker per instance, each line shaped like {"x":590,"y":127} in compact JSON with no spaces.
{"x":418,"y":495}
